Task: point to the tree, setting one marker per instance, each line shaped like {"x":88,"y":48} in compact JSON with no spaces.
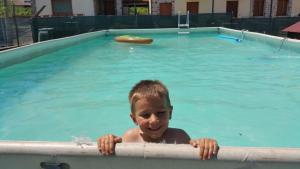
{"x":6,"y":10}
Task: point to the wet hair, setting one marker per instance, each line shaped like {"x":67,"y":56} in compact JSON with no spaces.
{"x":148,"y":89}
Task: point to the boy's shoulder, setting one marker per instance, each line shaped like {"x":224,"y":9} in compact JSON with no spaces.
{"x":131,"y":135}
{"x":178,"y":136}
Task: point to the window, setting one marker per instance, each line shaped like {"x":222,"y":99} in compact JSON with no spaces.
{"x":61,"y":7}
{"x":192,"y":7}
{"x":232,"y":8}
{"x":165,"y":8}
{"x":258,"y":7}
{"x":109,"y":7}
{"x":282,"y":7}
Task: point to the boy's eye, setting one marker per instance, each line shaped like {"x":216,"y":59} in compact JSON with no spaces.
{"x":161,"y":113}
{"x":145,"y":115}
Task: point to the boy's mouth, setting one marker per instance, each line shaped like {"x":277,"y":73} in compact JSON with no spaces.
{"x":154,"y":129}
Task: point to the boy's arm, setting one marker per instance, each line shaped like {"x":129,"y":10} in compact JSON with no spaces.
{"x":207,"y":147}
{"x":106,"y":144}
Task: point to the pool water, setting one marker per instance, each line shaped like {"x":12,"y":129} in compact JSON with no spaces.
{"x":242,"y":94}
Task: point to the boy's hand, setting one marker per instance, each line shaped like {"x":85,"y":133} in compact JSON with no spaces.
{"x":106,"y":144}
{"x":208,"y":147}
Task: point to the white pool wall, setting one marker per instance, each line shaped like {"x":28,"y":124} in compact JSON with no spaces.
{"x":159,"y":31}
{"x":28,"y":155}
{"x":291,"y":44}
{"x":28,"y":52}
{"x":151,"y":150}
{"x":25,"y":53}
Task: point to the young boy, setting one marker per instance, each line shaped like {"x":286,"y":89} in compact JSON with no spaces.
{"x":151,"y":111}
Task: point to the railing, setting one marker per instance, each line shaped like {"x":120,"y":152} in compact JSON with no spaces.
{"x":185,"y":26}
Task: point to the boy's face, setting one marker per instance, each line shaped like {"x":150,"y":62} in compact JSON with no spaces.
{"x":152,"y":115}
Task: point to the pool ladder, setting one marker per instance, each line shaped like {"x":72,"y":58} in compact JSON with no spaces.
{"x":183,"y":28}
{"x":243,"y":34}
{"x":282,"y":42}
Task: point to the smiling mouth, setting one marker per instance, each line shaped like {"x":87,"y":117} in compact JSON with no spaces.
{"x":156,"y":129}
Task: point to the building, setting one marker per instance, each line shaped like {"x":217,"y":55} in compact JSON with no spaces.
{"x":238,"y":8}
{"x":23,"y":3}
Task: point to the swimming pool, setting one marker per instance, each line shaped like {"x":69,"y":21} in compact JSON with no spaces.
{"x":241,"y":93}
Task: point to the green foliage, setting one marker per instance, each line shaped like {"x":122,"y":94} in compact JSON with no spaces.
{"x":20,"y":11}
{"x":2,"y":8}
{"x":139,"y":11}
{"x":23,"y":11}
{"x":142,"y":10}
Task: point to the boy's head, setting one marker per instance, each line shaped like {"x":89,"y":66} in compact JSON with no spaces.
{"x":150,"y":108}
{"x":148,"y":89}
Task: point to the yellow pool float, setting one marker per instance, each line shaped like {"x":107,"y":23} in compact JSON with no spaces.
{"x":133,"y":39}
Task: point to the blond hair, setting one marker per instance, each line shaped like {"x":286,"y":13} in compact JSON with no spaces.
{"x":148,"y":89}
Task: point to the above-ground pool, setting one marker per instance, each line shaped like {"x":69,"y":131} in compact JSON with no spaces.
{"x":242,"y":92}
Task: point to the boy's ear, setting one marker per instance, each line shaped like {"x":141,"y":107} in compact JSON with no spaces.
{"x":171,"y":110}
{"x":132,"y":116}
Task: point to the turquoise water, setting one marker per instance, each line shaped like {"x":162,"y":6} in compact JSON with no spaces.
{"x":242,"y":94}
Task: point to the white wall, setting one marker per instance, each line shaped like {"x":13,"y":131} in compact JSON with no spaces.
{"x":244,"y":9}
{"x":85,"y":7}
{"x":47,"y":10}
{"x":204,"y":6}
{"x":295,"y":8}
{"x":220,"y":6}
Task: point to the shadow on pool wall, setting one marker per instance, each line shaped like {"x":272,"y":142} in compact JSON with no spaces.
{"x":68,"y":155}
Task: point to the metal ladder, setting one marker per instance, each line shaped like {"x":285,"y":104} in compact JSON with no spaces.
{"x":243,"y":35}
{"x":184,"y":28}
{"x":282,"y":42}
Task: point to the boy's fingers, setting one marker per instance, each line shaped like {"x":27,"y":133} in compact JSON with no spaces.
{"x":111,"y":144}
{"x":104,"y":150}
{"x":103,"y":146}
{"x":106,"y":144}
{"x":117,"y":139}
{"x":201,"y":146}
{"x":205,"y":153}
{"x":206,"y":149}
{"x":211,"y":149}
{"x":107,"y":152}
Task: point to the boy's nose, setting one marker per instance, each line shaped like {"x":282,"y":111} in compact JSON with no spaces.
{"x":154,"y":118}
